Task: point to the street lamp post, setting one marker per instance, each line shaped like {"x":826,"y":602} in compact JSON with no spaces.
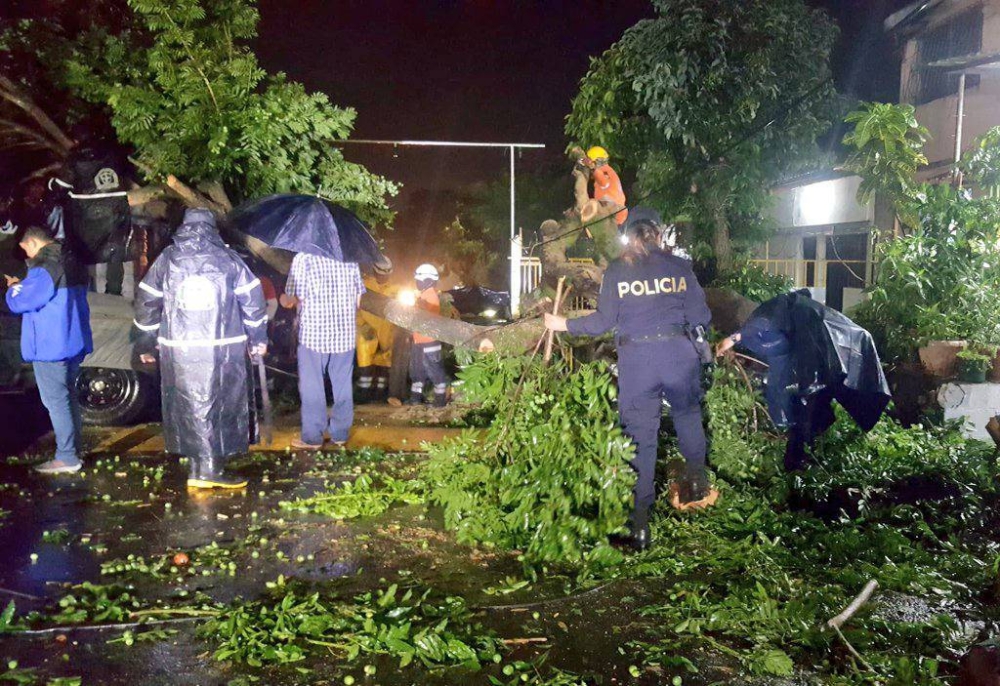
{"x":515,"y":266}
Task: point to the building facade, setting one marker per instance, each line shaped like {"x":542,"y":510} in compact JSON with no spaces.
{"x":825,"y":238}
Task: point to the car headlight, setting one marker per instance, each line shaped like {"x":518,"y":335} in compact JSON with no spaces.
{"x":407,"y":296}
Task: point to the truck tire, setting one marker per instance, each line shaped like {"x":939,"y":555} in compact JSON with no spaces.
{"x":114,"y":397}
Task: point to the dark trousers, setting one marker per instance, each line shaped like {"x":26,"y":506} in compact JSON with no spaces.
{"x":313,"y":367}
{"x":426,"y":364}
{"x":57,"y":387}
{"x":649,"y":372}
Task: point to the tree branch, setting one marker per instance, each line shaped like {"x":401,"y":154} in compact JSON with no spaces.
{"x":190,"y":196}
{"x":10,"y":92}
{"x":38,"y":138}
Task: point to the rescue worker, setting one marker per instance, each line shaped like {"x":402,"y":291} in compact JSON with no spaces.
{"x":375,"y":339}
{"x":425,"y":355}
{"x":200,"y":305}
{"x":608,"y":191}
{"x":654,"y":303}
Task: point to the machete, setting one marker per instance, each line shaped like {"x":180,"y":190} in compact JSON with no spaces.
{"x":267,"y":426}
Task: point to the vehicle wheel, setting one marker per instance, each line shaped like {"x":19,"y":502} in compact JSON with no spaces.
{"x":110,"y":397}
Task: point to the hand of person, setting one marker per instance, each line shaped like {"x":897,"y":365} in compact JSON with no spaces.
{"x":727,"y":344}
{"x":259,"y":350}
{"x":147,"y":358}
{"x":554,"y":322}
{"x":288,"y":301}
{"x":11,"y":280}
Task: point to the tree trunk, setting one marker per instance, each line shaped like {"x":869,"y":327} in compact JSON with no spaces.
{"x":721,"y":244}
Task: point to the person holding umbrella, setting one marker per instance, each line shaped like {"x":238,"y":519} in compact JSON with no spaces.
{"x":202,"y":308}
{"x":324,"y":282}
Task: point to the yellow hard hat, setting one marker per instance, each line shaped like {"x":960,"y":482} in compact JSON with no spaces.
{"x":597,"y":153}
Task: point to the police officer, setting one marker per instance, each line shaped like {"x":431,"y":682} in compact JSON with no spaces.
{"x":654,"y":301}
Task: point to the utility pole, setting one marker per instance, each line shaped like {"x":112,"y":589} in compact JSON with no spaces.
{"x":515,"y":265}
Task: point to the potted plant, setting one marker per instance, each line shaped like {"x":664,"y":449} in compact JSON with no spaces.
{"x":973,"y":363}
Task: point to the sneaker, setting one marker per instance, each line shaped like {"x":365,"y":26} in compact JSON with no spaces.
{"x":57,"y":467}
{"x":299,"y":444}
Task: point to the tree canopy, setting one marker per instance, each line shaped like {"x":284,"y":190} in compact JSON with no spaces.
{"x":684,"y":100}
{"x":184,"y":89}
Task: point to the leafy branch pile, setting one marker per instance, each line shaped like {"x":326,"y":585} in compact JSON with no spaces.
{"x":752,"y":281}
{"x":550,"y":476}
{"x":359,"y":498}
{"x":408,"y":626}
{"x":756,"y":578}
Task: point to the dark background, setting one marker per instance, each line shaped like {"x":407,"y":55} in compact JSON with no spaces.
{"x":489,"y":70}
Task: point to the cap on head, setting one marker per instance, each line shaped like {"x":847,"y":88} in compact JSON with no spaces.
{"x":426,"y":272}
{"x":642,"y":215}
{"x":383,"y":266}
{"x":597,"y":153}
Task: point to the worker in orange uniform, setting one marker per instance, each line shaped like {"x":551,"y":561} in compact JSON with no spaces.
{"x":608,"y":191}
{"x":375,"y":336}
{"x":425,"y":355}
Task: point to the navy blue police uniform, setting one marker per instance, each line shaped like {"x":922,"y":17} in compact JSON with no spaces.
{"x":652,"y":303}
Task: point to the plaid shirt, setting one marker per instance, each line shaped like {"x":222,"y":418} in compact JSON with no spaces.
{"x":328,"y":292}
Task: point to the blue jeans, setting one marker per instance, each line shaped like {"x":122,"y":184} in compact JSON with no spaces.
{"x":57,"y":386}
{"x":313,"y":366}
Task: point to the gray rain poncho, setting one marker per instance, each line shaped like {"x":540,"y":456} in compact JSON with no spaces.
{"x":201,"y":305}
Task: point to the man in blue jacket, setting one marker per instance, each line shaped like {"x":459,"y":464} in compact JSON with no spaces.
{"x":55,"y":337}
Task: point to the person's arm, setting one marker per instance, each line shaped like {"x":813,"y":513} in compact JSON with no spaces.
{"x":602,"y":180}
{"x":250,"y":297}
{"x":33,"y":293}
{"x":359,"y":284}
{"x":149,"y":308}
{"x":290,"y":297}
{"x":606,"y":316}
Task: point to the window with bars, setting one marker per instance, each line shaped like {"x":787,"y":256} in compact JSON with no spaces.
{"x":958,"y":37}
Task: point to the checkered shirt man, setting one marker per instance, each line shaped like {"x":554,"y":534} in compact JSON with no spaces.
{"x":328,"y":291}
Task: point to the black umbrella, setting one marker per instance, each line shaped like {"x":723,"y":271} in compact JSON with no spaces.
{"x":309,"y":224}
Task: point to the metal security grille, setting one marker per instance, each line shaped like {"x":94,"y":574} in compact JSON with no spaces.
{"x":958,"y":37}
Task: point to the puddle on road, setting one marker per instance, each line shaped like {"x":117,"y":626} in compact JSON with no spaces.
{"x":237,"y":542}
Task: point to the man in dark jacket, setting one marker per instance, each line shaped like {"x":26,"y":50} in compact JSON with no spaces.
{"x":100,"y":228}
{"x":55,"y":337}
{"x":201,"y":306}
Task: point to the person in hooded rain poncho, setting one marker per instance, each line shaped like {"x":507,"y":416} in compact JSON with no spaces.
{"x":200,"y":305}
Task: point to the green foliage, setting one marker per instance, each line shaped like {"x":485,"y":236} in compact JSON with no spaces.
{"x":940,"y":281}
{"x":89,"y":603}
{"x":186,"y":91}
{"x":753,"y":281}
{"x":550,"y":477}
{"x":674,"y":98}
{"x":982,"y":163}
{"x":359,"y":498}
{"x":756,"y":578}
{"x":405,"y":625}
{"x":886,"y":147}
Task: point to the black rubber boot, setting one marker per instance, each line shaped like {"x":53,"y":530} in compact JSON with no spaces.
{"x":416,"y":398}
{"x":440,"y":399}
{"x":693,"y":487}
{"x":641,"y":538}
{"x":362,"y":396}
{"x":212,"y":476}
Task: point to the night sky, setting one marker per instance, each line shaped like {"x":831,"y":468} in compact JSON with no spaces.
{"x":490,"y":70}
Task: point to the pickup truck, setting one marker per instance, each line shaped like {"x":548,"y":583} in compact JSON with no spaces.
{"x":114,"y":388}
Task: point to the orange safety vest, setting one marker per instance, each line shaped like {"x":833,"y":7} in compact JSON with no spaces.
{"x":430,"y":301}
{"x":608,"y":188}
